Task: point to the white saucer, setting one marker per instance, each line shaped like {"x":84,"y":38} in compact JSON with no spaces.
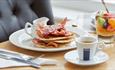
{"x":73,"y":57}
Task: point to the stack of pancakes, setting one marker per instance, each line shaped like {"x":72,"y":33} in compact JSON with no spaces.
{"x":53,"y":36}
{"x":54,"y":42}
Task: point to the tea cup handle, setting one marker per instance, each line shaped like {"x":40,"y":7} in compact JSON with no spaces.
{"x":28,"y":25}
{"x":100,"y":46}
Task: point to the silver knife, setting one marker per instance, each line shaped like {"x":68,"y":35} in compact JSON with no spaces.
{"x":9,"y":55}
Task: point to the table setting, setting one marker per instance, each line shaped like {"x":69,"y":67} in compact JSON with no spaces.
{"x":65,"y":44}
{"x":23,"y":40}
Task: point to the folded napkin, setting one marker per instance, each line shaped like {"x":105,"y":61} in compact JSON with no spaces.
{"x":40,"y":61}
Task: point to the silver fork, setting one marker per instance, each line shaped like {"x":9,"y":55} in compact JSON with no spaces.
{"x":19,"y":57}
{"x":27,"y":61}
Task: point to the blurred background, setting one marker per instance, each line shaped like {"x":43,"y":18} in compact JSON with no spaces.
{"x":80,"y":10}
{"x":87,"y":6}
{"x":84,"y":5}
{"x":15,"y":13}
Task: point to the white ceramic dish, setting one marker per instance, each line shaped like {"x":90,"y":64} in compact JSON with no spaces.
{"x":73,"y":57}
{"x":22,"y":40}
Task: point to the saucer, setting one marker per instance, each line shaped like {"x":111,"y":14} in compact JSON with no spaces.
{"x":73,"y":57}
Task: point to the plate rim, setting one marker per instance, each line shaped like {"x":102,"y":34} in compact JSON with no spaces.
{"x":17,"y":44}
{"x":65,"y":55}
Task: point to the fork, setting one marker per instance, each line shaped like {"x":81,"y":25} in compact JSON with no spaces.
{"x":19,"y":57}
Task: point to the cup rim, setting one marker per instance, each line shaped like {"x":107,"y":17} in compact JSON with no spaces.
{"x":78,"y":40}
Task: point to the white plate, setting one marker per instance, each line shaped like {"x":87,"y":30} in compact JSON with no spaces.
{"x":73,"y":57}
{"x":22,"y":40}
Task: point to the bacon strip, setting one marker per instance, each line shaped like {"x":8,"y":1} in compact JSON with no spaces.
{"x":45,"y":32}
{"x":52,"y":44}
{"x":64,"y":22}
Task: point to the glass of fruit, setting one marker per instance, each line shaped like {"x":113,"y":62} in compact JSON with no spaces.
{"x":105,"y":24}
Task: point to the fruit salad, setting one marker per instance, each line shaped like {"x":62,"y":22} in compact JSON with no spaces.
{"x":105,"y":24}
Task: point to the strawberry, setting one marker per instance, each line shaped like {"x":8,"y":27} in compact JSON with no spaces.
{"x":106,"y":14}
{"x":109,"y":28}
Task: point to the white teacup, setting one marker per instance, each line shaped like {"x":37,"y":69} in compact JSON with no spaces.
{"x":87,"y":47}
{"x":30,"y":29}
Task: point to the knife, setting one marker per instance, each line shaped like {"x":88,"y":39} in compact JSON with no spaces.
{"x":9,"y":55}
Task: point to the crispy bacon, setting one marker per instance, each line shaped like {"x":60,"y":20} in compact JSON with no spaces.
{"x":63,"y":22}
{"x":59,"y":32}
{"x":49,"y":31}
{"x":52,"y":44}
{"x":49,"y":44}
{"x":37,"y":41}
